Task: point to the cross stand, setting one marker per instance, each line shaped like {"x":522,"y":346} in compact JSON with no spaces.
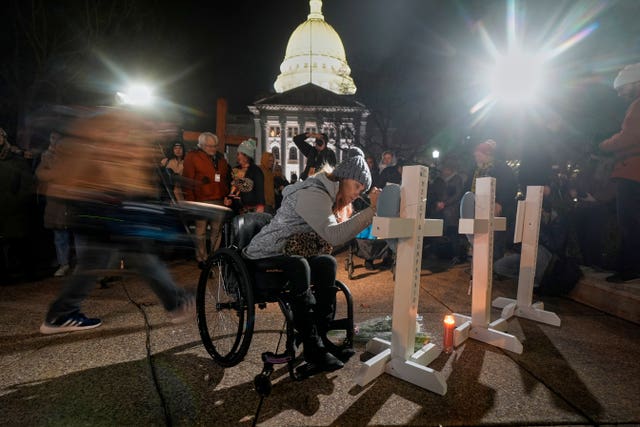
{"x":482,"y":226}
{"x":397,"y":357}
{"x":527,"y":231}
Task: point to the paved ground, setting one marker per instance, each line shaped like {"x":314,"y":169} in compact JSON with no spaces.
{"x":139,"y":369}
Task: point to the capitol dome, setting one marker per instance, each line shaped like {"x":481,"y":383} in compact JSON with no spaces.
{"x":315,"y":54}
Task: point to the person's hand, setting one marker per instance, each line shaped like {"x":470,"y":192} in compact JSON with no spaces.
{"x":498,"y":210}
{"x":440,"y":206}
{"x":260,"y":209}
{"x":163,"y":162}
{"x":373,"y":197}
{"x":227,"y":201}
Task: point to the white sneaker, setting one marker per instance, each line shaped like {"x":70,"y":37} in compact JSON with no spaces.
{"x":61,"y":271}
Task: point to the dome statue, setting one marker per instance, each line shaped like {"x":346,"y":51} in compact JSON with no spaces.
{"x":315,"y":54}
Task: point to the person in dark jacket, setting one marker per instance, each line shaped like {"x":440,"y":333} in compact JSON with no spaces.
{"x":447,"y":206}
{"x":373,"y":167}
{"x":16,"y":203}
{"x":279,"y":182}
{"x":554,"y":232}
{"x":506,"y":189}
{"x":173,"y":167}
{"x":317,"y":156}
{"x":56,"y":211}
{"x":391,"y":174}
{"x":247,"y":187}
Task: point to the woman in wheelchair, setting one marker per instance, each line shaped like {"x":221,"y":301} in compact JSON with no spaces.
{"x":315,"y":215}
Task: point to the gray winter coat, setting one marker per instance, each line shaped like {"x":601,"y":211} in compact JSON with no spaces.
{"x":307,"y":206}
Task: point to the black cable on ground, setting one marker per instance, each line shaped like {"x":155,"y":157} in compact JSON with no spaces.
{"x":255,"y":418}
{"x":154,"y":375}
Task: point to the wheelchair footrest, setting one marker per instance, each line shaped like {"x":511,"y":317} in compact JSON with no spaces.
{"x":276,"y":359}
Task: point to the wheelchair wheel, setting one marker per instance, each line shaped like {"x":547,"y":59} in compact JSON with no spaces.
{"x":225,"y":307}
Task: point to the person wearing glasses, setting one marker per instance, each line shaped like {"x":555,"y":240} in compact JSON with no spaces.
{"x":207,"y":178}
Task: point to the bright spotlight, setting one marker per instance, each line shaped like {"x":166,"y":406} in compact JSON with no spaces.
{"x":517,"y":78}
{"x":435,"y":154}
{"x":137,"y":94}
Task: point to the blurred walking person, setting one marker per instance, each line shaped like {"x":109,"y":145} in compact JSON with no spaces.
{"x":103,"y":167}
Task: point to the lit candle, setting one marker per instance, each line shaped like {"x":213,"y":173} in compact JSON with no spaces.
{"x":449,"y":326}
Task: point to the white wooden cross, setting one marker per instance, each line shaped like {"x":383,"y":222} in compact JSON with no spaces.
{"x":482,"y":226}
{"x":397,"y":357}
{"x":527,"y":231}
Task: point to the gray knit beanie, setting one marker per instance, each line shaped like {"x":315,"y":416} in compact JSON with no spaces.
{"x":355,"y":167}
{"x":248,"y":148}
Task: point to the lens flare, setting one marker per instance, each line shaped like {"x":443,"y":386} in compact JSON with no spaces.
{"x":521,"y":75}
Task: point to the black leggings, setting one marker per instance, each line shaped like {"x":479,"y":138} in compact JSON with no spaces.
{"x":317,"y":273}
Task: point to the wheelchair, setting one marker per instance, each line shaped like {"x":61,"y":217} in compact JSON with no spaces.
{"x":229,"y":289}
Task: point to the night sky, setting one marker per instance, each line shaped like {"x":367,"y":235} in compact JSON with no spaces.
{"x":420,"y":55}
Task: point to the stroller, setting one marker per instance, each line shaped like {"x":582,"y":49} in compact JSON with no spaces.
{"x":367,"y":247}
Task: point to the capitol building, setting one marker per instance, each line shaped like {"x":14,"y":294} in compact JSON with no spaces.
{"x":314,"y":93}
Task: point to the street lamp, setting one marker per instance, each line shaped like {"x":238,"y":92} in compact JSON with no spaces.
{"x":138,"y":94}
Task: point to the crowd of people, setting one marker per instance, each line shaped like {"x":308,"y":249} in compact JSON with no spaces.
{"x":87,"y":167}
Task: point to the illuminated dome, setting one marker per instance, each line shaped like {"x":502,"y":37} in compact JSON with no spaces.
{"x":315,"y":54}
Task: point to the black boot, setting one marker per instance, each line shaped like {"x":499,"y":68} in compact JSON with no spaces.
{"x":324,"y":313}
{"x":317,"y":355}
{"x":315,"y":352}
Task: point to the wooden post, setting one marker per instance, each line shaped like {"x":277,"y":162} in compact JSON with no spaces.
{"x":482,"y":226}
{"x":397,"y":357}
{"x":528,"y":232}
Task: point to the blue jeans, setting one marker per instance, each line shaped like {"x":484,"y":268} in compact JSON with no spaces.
{"x":94,"y":256}
{"x":509,"y":265}
{"x":62,"y":240}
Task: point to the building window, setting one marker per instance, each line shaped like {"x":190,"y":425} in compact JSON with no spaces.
{"x":289,"y":132}
{"x":293,"y":153}
{"x":276,"y":152}
{"x":274,"y":131}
